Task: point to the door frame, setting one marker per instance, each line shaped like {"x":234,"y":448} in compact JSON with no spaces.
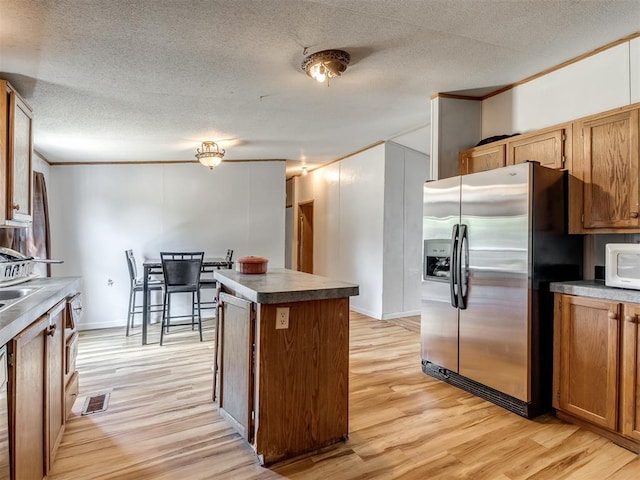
{"x":304,"y":207}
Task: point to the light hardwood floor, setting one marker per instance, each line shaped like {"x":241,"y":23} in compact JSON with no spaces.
{"x":162,"y":424}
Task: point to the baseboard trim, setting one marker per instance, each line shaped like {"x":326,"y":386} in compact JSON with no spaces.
{"x":365,"y":312}
{"x":392,"y":316}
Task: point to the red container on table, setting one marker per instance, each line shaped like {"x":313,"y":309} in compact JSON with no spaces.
{"x":252,"y":264}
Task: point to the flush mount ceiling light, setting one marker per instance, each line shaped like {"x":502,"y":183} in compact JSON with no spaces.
{"x":326,"y":64}
{"x":209,"y":154}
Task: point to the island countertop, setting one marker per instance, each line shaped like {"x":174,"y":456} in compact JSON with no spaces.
{"x":280,"y":285}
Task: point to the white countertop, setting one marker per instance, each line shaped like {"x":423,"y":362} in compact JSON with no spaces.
{"x":596,"y":289}
{"x":21,"y":314}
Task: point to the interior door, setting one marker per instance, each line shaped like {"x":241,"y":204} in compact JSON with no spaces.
{"x":305,"y":237}
{"x":495,"y":265}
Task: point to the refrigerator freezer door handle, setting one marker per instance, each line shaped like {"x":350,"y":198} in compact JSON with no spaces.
{"x":462,"y":267}
{"x":453,"y":277}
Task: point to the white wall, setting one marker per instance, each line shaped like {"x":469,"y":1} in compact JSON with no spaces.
{"x":418,"y":139}
{"x":405,"y":173}
{"x":598,"y":83}
{"x":634,"y":78}
{"x":456,"y":124}
{"x":367,"y":226}
{"x":99,"y":211}
{"x":362,"y":226}
{"x":348,"y":217}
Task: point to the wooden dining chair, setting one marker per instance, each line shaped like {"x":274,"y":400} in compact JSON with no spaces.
{"x":136,"y":285}
{"x":181,"y":271}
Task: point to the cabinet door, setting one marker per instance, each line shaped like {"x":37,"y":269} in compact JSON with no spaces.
{"x":547,"y":148}
{"x":482,"y":158}
{"x":28,"y":402}
{"x":20,"y":158}
{"x":236,"y":339}
{"x":5,"y":470}
{"x":55,"y":395}
{"x":589,"y":359}
{"x":630,"y":378}
{"x":610,"y":170}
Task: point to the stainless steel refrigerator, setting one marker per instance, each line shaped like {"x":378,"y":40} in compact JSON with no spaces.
{"x":493,"y":241}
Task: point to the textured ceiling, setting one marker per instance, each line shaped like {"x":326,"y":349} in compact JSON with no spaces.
{"x":147,"y":80}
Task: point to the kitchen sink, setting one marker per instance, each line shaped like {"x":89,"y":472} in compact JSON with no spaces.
{"x":10,"y":296}
{"x":14,"y":293}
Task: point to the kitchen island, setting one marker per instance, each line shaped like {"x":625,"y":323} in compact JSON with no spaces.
{"x":283,"y":356}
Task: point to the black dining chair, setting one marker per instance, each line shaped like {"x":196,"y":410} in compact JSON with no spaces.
{"x":181,"y":271}
{"x":136,"y":285}
{"x":209,"y":283}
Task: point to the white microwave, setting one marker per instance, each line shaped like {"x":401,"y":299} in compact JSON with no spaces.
{"x":622,"y":265}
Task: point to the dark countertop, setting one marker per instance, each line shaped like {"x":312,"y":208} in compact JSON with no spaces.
{"x":596,"y":289}
{"x":23,"y":313}
{"x":280,"y":285}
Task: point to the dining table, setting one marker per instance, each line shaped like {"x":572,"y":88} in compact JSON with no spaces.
{"x":153,"y":266}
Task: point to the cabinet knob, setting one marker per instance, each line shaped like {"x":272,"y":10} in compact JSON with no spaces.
{"x":634,"y":214}
{"x":52,"y":330}
{"x":631,"y":318}
{"x":16,"y":206}
{"x":612,"y":315}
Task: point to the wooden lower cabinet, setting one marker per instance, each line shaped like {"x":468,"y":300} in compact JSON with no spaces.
{"x":37,"y":395}
{"x":285,"y":390}
{"x":236,"y":330}
{"x":630,"y":367}
{"x":596,"y":374}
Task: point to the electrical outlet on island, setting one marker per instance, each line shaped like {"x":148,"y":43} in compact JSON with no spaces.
{"x":282,"y":318}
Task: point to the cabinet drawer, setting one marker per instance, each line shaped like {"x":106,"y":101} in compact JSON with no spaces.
{"x":71,"y":393}
{"x":71,"y":352}
{"x":74,"y":311}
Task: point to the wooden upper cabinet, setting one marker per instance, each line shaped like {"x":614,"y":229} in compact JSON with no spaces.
{"x":16,"y":151}
{"x":588,"y":377}
{"x":549,"y":148}
{"x":608,"y":156}
{"x":485,"y":157}
{"x":630,"y":377}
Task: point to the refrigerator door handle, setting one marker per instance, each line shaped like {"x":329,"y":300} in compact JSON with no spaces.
{"x":453,"y":277}
{"x":462,"y":267}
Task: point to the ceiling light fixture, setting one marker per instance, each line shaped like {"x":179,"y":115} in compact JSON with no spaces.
{"x":326,"y":64}
{"x":304,"y":170}
{"x":209,"y":154}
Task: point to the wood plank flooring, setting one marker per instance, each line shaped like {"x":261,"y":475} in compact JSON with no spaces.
{"x":162,"y":424}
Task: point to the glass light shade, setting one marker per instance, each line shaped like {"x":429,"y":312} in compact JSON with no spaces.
{"x":210,"y":161}
{"x":209,"y":154}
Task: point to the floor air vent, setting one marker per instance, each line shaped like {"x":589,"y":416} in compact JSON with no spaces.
{"x":95,"y":404}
